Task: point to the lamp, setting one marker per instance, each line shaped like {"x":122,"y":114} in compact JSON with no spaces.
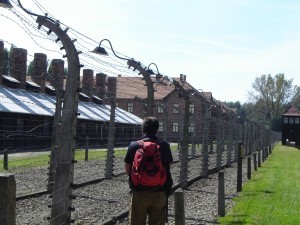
{"x":151,"y":71}
{"x":101,"y":51}
{"x":5,"y":4}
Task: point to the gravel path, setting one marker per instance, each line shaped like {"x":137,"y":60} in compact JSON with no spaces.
{"x":99,"y":202}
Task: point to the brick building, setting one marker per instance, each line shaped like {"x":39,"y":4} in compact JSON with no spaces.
{"x":168,"y":105}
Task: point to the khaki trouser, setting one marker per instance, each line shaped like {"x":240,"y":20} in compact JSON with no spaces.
{"x":145,"y":203}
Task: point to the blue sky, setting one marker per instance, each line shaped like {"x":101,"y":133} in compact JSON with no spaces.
{"x":222,"y":46}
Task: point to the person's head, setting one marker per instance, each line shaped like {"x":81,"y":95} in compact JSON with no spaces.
{"x":150,"y":125}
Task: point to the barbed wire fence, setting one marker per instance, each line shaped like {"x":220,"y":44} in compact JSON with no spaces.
{"x":217,"y":137}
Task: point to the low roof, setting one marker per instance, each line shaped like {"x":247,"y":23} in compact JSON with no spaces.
{"x":291,"y":111}
{"x":22,"y":101}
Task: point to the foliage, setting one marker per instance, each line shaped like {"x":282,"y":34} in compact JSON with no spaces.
{"x":7,"y":62}
{"x":271,"y":197}
{"x":30,"y":68}
{"x":269,"y":98}
{"x":241,"y":112}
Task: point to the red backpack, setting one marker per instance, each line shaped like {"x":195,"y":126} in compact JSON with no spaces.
{"x":148,"y":172}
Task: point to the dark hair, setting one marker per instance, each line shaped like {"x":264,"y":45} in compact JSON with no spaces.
{"x":150,"y":125}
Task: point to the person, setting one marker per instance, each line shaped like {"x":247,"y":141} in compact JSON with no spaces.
{"x":145,"y":203}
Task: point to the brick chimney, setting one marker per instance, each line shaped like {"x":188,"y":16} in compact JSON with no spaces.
{"x":100,"y":84}
{"x":19,"y":65}
{"x":87,"y":82}
{"x":56,"y":77}
{"x":182,"y":78}
{"x":39,"y":70}
{"x":1,"y":59}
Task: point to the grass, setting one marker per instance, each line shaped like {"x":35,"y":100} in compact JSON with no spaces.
{"x":42,"y":159}
{"x":19,"y":162}
{"x":272,"y":196}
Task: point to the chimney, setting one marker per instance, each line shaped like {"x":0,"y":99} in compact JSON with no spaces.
{"x":19,"y":65}
{"x":56,"y":77}
{"x":1,"y":59}
{"x":100,"y":84}
{"x":182,"y":78}
{"x":87,"y":82}
{"x":112,"y":86}
{"x":39,"y":70}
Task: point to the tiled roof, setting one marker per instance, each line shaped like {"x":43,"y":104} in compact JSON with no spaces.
{"x":135,"y":87}
{"x":291,"y":111}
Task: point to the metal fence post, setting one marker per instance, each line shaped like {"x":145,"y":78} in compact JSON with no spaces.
{"x":249,"y":167}
{"x":239,"y":169}
{"x":255,"y":161}
{"x":259,"y":157}
{"x":221,"y":195}
{"x":7,"y":200}
{"x":5,"y":159}
{"x":86,"y":155}
{"x":179,"y":207}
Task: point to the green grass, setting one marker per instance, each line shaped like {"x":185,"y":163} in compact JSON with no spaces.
{"x":272,"y":196}
{"x":18,"y":163}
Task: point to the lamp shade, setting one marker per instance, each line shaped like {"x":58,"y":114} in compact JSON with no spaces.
{"x":100,"y":50}
{"x":150,"y":72}
{"x":5,"y":4}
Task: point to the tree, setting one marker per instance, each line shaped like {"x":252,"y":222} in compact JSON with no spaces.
{"x":30,"y":68}
{"x":239,"y":108}
{"x":270,"y":97}
{"x":7,"y":62}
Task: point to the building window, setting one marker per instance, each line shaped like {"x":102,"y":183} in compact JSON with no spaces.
{"x":175,"y":127}
{"x":291,"y":120}
{"x":161,"y":126}
{"x":130,"y":107}
{"x":285,"y":120}
{"x":192,"y":108}
{"x":191,"y":128}
{"x":160,"y":109}
{"x":175,"y":108}
{"x":297,"y":120}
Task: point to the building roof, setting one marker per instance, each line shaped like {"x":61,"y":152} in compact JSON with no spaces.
{"x":25,"y":102}
{"x":135,"y":87}
{"x":291,"y":111}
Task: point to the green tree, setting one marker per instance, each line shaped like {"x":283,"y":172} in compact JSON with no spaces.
{"x":7,"y":62}
{"x":238,"y":106}
{"x":269,"y":98}
{"x":30,"y":68}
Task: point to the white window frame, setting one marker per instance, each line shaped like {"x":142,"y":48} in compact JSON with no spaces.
{"x":191,"y":128}
{"x":175,"y":127}
{"x":161,"y":126}
{"x":192,"y":108}
{"x":160,"y":109}
{"x":175,"y":108}
{"x":130,"y":107}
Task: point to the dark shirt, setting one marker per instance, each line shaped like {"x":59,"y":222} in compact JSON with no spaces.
{"x":166,"y":155}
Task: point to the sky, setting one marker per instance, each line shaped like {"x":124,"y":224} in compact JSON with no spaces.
{"x":221,"y":46}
